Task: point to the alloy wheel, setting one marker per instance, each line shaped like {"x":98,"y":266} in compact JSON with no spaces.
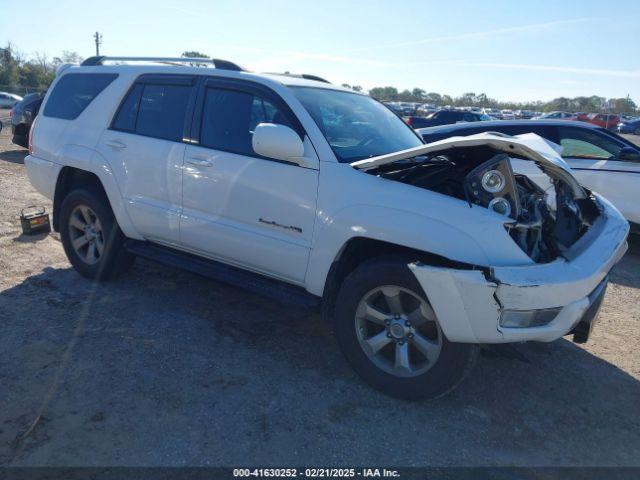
{"x":398,"y":331}
{"x":86,"y":235}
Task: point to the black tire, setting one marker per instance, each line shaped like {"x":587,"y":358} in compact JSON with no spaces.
{"x":637,"y":131}
{"x":454,"y":362}
{"x":114,"y":259}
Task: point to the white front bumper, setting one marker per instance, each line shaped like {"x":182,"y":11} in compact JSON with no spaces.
{"x":468,"y":303}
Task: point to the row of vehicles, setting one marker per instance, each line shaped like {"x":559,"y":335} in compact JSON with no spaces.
{"x":428,"y":115}
{"x":416,"y":253}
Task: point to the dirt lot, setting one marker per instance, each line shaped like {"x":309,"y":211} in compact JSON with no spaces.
{"x":162,"y":367}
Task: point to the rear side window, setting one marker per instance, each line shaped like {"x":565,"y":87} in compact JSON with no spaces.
{"x":154,"y":111}
{"x":162,"y":111}
{"x":74,"y":92}
{"x":229,"y":118}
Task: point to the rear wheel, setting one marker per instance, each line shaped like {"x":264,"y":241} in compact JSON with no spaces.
{"x":391,"y":336}
{"x":90,"y":235}
{"x":637,"y":131}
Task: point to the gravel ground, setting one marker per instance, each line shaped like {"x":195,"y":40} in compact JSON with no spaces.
{"x":162,"y":367}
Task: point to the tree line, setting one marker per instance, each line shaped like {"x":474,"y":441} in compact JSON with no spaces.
{"x":592,"y":104}
{"x":21,"y":74}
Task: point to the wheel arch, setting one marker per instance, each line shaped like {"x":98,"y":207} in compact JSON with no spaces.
{"x":71,"y":177}
{"x":357,"y":250}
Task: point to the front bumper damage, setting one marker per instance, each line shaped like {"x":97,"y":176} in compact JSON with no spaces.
{"x":469,"y":303}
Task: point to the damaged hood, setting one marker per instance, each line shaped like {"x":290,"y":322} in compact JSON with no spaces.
{"x":546,"y":154}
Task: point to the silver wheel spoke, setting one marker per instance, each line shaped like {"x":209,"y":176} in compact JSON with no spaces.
{"x":85,"y":215}
{"x":428,"y":348}
{"x":91,"y":253}
{"x":371,"y":314}
{"x":76,"y":222}
{"x":79,"y":242}
{"x":377,"y":342}
{"x":422,"y":314}
{"x":402,"y":356}
{"x":392,"y":297}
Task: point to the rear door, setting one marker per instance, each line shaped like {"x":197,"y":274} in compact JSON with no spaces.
{"x":239,"y":207}
{"x":594,"y":157}
{"x":145,"y":148}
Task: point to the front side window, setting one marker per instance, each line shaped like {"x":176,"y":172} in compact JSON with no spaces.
{"x":579,"y":143}
{"x":74,"y":92}
{"x":229,"y":118}
{"x":356,"y":126}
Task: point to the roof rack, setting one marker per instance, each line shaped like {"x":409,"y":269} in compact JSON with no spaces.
{"x":216,"y":62}
{"x":306,"y":76}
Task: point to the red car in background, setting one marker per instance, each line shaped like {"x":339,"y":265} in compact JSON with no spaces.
{"x":604,"y":120}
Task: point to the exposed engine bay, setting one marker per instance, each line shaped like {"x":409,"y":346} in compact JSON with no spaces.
{"x":543,"y":223}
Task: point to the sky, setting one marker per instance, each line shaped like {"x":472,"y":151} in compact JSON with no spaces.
{"x":510,"y":50}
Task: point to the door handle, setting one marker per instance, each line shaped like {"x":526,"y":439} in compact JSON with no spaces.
{"x":200,"y":161}
{"x":116,"y":144}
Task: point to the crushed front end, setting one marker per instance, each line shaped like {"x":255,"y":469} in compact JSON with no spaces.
{"x":572,"y":237}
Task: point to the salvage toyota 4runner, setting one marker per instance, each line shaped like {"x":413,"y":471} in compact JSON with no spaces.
{"x":321,"y":196}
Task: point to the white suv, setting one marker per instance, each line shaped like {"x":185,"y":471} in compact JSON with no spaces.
{"x":322,"y":197}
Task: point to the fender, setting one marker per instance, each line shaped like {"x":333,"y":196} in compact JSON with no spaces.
{"x":392,"y":225}
{"x":89,"y":160}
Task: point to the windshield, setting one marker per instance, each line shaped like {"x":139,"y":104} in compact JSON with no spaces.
{"x":356,"y":126}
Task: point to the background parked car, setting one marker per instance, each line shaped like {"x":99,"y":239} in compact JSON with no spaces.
{"x":22,"y":116}
{"x":556,"y":116}
{"x":604,"y":120}
{"x":508,"y":114}
{"x":8,"y":100}
{"x":492,"y":112}
{"x":630,"y":126}
{"x":524,"y":114}
{"x":445,"y":117}
{"x":426,"y":109}
{"x":602,"y":161}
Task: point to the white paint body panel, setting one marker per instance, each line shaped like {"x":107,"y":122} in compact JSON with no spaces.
{"x":617,"y":181}
{"x":214,"y":209}
{"x":228,"y":204}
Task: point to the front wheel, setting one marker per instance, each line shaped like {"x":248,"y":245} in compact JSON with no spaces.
{"x":391,"y":336}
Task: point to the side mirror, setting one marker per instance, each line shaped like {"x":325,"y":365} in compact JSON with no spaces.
{"x":279,"y":142}
{"x":630,"y":154}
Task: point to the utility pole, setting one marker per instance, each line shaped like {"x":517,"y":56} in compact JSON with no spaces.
{"x":97,"y":37}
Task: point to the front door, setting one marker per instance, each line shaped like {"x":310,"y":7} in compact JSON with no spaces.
{"x":238,"y":207}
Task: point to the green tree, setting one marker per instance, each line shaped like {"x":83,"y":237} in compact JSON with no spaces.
{"x":384,"y":94}
{"x":9,"y":66}
{"x":193,"y":54}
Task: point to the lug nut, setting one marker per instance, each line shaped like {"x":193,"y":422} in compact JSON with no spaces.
{"x":410,"y":335}
{"x":407,"y":323}
{"x":387,"y":322}
{"x":389,"y":334}
{"x":401,"y":342}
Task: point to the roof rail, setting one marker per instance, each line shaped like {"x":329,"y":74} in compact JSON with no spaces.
{"x":216,"y":62}
{"x":306,"y":76}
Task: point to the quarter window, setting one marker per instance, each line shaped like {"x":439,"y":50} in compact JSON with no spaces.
{"x":74,"y":92}
{"x":229,"y":118}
